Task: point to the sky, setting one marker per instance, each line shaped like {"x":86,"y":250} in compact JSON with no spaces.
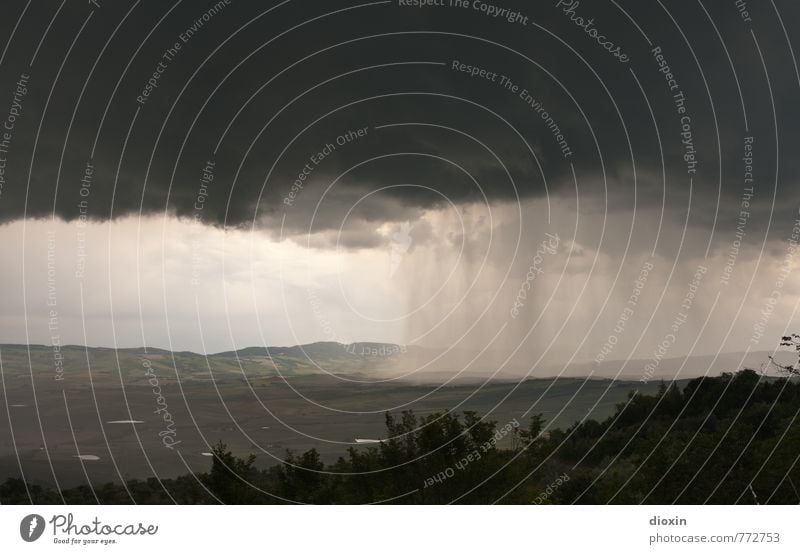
{"x":566,"y":180}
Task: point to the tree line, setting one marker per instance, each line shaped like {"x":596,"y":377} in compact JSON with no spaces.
{"x":731,"y":439}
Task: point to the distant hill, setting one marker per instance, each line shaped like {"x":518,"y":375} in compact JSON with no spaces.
{"x":366,"y":359}
{"x":363,"y":358}
{"x":323,"y":351}
{"x":668,"y":369}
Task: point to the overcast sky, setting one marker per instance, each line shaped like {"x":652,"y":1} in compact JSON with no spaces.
{"x":540,"y":184}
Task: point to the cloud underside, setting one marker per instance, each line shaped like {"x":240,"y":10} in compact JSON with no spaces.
{"x":373,"y":116}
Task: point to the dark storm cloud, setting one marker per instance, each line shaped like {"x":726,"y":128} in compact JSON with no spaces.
{"x":151,"y":154}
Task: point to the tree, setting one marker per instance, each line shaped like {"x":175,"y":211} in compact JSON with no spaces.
{"x":230,"y":477}
{"x":793,"y":341}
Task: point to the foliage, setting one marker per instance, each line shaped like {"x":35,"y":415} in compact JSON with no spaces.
{"x":727,"y":440}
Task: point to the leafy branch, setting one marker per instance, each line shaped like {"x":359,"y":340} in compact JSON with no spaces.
{"x":793,"y":341}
